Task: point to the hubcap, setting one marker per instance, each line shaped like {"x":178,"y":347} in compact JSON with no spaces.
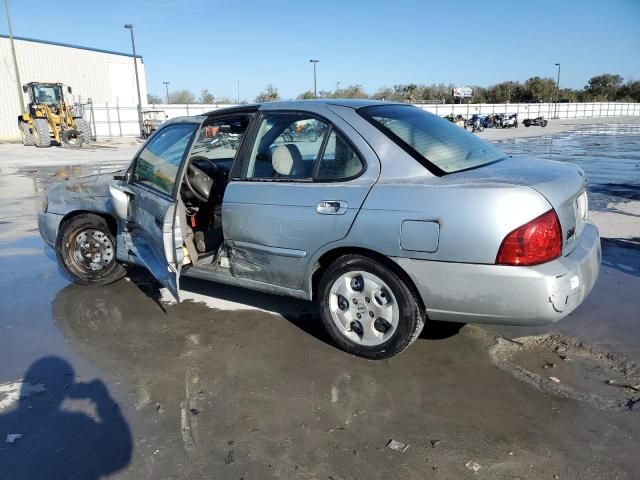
{"x":93,"y":250}
{"x":363,"y":308}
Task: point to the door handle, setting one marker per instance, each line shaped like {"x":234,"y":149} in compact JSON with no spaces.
{"x":332,"y":207}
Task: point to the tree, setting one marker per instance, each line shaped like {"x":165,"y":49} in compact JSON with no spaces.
{"x":306,"y":95}
{"x":630,"y":91}
{"x":270,"y":94}
{"x":153,"y":99}
{"x":538,"y":89}
{"x":206,"y":96}
{"x":352,"y":91}
{"x":603,"y":87}
{"x":384,"y":93}
{"x":182,"y":96}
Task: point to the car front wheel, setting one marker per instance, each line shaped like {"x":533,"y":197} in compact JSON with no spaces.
{"x":86,"y":251}
{"x":367,"y":308}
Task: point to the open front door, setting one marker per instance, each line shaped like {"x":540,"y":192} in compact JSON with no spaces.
{"x":146,"y":202}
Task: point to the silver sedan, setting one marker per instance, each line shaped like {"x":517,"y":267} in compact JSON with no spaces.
{"x":385,"y":215}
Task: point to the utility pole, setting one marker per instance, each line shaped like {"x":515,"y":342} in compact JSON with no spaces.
{"x":166,"y":87}
{"x":15,"y":61}
{"x":135,"y":67}
{"x":315,"y":87}
{"x":337,"y":86}
{"x":238,"y":94}
{"x":555,"y":111}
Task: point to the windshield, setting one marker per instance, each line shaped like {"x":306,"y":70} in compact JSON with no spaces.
{"x":439,"y":145}
{"x":50,"y":94}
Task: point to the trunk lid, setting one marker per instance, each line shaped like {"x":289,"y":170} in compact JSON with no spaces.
{"x":562,"y":184}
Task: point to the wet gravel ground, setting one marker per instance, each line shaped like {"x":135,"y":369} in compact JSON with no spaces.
{"x":115,"y":381}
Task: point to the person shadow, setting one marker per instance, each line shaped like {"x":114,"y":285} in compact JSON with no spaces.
{"x":41,"y":438}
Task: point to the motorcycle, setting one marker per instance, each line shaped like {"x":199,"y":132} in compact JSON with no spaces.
{"x":476,"y":122}
{"x":510,"y":121}
{"x":540,"y":122}
{"x":490,"y":121}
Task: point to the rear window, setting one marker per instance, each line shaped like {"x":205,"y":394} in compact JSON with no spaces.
{"x":439,"y":145}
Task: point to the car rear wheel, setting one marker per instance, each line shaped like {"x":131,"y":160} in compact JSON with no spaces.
{"x":86,"y":251}
{"x":367,"y":308}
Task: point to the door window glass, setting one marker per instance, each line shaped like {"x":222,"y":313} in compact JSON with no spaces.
{"x":286,"y":148}
{"x":158,"y":163}
{"x":339,"y":160}
{"x":220,"y":139}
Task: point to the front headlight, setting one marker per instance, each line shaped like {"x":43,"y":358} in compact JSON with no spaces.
{"x":45,"y":203}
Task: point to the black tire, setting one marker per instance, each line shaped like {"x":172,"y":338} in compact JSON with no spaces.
{"x":41,"y":134}
{"x":71,"y":138}
{"x":26,"y":135}
{"x":65,"y":251}
{"x":85,"y":130}
{"x":411,"y":316}
{"x":544,"y":123}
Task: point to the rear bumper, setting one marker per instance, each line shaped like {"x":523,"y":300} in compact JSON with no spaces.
{"x":48,"y":224}
{"x":500,"y":294}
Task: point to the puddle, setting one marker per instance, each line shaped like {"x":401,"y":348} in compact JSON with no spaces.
{"x":608,"y":153}
{"x":571,"y":369}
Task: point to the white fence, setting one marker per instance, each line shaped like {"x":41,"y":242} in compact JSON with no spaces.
{"x":112,"y":121}
{"x":533,"y":110}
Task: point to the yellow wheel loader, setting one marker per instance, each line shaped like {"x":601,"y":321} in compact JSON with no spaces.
{"x":50,"y":118}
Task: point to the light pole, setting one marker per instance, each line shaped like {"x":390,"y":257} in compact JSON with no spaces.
{"x":238,"y":94}
{"x":15,"y":62}
{"x":337,"y":86}
{"x":129,"y":27}
{"x":555,"y":111}
{"x":315,"y":87}
{"x":166,"y":87}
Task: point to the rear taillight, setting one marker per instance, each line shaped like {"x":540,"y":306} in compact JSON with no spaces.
{"x":535,"y":242}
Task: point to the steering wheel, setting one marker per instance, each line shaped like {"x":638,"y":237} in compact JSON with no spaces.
{"x":197,"y":181}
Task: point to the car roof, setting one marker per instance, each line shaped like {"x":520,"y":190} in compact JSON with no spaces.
{"x":342,"y":102}
{"x":300,"y":105}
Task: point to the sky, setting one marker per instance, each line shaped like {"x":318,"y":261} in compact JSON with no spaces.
{"x":196,"y":44}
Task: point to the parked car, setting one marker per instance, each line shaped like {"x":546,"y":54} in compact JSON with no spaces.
{"x":395,"y":218}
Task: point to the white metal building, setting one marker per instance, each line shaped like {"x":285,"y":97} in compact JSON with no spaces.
{"x":104,"y":76}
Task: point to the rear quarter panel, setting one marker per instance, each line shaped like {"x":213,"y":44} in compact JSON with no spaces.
{"x":473,"y":219}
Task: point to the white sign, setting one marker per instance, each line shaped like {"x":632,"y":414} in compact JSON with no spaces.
{"x":462,"y":92}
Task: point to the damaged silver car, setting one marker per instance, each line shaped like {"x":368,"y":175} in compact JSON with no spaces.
{"x":384,"y":214}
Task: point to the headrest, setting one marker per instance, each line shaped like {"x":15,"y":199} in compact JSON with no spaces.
{"x":286,"y":160}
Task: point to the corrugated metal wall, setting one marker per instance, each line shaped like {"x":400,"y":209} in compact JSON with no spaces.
{"x":103,"y":77}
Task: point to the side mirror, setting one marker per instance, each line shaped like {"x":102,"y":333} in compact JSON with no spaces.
{"x":24,"y":88}
{"x":69,"y":90}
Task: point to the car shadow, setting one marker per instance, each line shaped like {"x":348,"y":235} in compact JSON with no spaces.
{"x":622,"y":254}
{"x":300,"y":313}
{"x":43,"y":438}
